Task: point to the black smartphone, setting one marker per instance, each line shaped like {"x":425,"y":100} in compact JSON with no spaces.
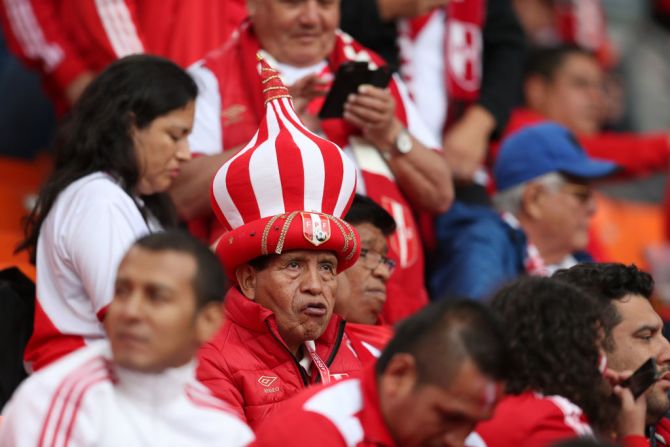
{"x":348,"y":78}
{"x":644,"y":377}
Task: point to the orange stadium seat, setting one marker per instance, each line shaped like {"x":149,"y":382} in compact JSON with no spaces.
{"x":19,"y":181}
{"x":625,"y":229}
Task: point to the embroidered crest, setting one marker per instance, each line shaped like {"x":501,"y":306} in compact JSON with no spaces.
{"x":233,"y":114}
{"x":266,"y":380}
{"x":315,"y":228}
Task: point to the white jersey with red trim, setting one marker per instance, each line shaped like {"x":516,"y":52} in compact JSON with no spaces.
{"x":85,"y":399}
{"x":82,"y":240}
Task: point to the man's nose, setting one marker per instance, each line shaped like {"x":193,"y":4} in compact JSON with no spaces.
{"x":663,"y":357}
{"x":309,"y":14}
{"x":312,"y":281}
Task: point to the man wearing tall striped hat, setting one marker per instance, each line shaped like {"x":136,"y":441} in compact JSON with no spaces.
{"x":380,"y":129}
{"x":281,"y":199}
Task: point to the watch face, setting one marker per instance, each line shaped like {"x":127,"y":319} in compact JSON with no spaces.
{"x":404,"y":142}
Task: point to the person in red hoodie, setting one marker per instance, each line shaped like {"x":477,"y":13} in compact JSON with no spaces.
{"x":282,"y":199}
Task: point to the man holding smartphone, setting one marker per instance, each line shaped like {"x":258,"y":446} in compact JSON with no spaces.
{"x":399,"y":163}
{"x":633,"y":331}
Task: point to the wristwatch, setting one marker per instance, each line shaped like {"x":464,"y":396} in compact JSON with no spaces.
{"x":403,"y":142}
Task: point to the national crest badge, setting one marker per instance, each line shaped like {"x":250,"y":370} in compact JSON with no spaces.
{"x":315,"y":228}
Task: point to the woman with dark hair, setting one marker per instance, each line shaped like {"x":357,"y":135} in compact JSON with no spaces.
{"x":557,"y":389}
{"x":116,"y":155}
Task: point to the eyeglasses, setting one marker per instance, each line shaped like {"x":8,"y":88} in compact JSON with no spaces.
{"x":372,"y":259}
{"x":583,"y":193}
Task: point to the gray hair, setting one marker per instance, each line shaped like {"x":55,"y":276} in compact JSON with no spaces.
{"x":509,"y":200}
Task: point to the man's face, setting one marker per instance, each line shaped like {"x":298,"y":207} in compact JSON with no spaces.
{"x":574,"y":97}
{"x":296,"y":32}
{"x":430,"y":415}
{"x":637,"y":338}
{"x":564,"y":214}
{"x":299,"y":288}
{"x":152,"y":322}
{"x":361,"y":290}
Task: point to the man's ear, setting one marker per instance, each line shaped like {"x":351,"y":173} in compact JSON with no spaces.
{"x":400,"y":376}
{"x":531,"y":200}
{"x":246,"y":279}
{"x":208,"y":321}
{"x":535,"y":93}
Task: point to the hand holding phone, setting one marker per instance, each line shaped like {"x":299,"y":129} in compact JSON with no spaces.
{"x":348,"y":78}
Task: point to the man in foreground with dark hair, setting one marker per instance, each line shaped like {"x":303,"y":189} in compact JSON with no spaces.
{"x":138,"y":387}
{"x":436,"y":379}
{"x":633,"y":330}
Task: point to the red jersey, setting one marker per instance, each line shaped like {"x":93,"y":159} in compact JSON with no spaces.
{"x":343,"y":414}
{"x":530,"y":420}
{"x":64,"y":39}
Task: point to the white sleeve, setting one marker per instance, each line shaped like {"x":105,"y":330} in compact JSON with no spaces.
{"x":119,"y":26}
{"x":23,"y":417}
{"x":97,"y":240}
{"x":206,"y":137}
{"x":415,"y":124}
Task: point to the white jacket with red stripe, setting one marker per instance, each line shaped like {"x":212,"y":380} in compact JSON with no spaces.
{"x":85,"y":399}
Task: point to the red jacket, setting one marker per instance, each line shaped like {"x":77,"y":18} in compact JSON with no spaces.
{"x":248,"y":365}
{"x":65,"y":38}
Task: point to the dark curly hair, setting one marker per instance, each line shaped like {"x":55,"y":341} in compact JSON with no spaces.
{"x":554,"y":330}
{"x":608,"y":282}
{"x":96,"y":136}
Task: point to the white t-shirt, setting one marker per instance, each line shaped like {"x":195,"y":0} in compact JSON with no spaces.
{"x":84,"y":399}
{"x":82,"y":240}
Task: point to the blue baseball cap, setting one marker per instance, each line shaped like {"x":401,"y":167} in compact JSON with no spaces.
{"x":543,"y":148}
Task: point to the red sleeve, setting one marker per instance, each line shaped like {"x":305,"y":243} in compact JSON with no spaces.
{"x":34,"y":33}
{"x":39,"y":34}
{"x":636,"y":154}
{"x":551,"y":430}
{"x":634,"y":441}
{"x":298,"y":427}
{"x":213,"y":372}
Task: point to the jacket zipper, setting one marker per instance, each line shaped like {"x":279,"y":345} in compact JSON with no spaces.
{"x":303,"y":374}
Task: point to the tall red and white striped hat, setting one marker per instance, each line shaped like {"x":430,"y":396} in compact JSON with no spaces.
{"x":287,"y":189}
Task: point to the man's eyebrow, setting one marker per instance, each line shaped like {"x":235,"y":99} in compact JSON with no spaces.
{"x":648,"y":327}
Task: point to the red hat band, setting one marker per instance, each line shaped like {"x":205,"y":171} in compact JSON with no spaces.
{"x":297,"y":230}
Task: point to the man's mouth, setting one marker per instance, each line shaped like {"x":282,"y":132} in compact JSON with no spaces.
{"x":127,"y":338}
{"x":315,"y":309}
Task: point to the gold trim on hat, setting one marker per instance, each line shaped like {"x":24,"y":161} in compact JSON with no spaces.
{"x":265,"y":81}
{"x":284,"y":230}
{"x":266,"y":232}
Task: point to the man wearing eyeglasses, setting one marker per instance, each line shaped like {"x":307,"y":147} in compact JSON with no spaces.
{"x":361,"y":289}
{"x":543,"y":207}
